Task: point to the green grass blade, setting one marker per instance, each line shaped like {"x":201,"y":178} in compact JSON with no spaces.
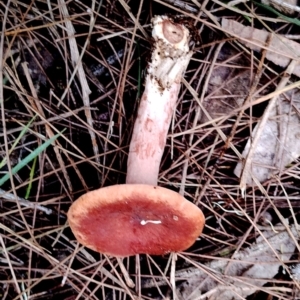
{"x":294,"y":21}
{"x":30,"y":178}
{"x":3,"y":162}
{"x":29,"y":158}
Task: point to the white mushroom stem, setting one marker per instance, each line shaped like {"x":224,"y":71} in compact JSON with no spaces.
{"x":170,"y":58}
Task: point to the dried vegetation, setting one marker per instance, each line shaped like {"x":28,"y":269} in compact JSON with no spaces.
{"x":72,"y":71}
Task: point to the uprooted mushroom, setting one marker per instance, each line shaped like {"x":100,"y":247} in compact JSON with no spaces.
{"x":140,"y":217}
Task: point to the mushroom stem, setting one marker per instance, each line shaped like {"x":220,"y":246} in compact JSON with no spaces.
{"x":169,"y":60}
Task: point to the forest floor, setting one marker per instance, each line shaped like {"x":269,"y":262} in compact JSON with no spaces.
{"x":72,"y":78}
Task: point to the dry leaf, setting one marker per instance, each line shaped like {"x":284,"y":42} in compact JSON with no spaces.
{"x":248,"y":270}
{"x":280,"y":49}
{"x":279,"y":142}
{"x":254,"y":154}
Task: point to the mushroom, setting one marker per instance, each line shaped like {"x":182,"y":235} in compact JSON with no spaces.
{"x":139,"y":217}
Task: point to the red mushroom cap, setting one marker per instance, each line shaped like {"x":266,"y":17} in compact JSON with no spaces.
{"x":129,"y":219}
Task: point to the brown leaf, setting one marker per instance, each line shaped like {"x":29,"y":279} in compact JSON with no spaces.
{"x":280,"y":49}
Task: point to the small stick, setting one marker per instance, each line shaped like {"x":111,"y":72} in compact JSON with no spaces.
{"x":23,"y":202}
{"x":128,"y":280}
